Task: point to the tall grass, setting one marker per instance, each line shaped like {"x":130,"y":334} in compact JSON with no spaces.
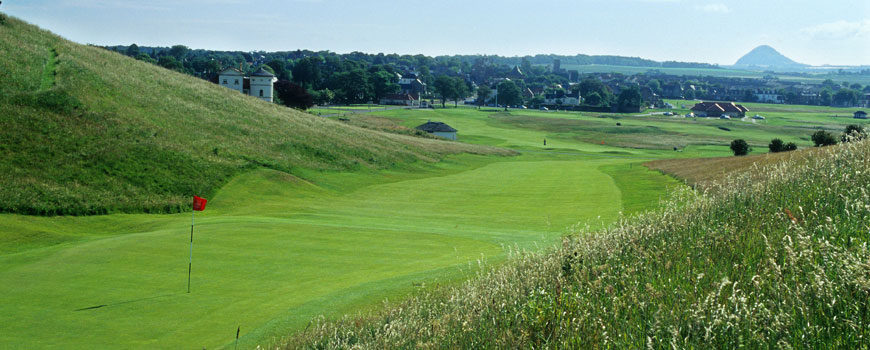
{"x":781,"y":262}
{"x":88,"y":131}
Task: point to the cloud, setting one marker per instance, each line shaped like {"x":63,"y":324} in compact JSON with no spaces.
{"x":839,"y":30}
{"x":713,"y":8}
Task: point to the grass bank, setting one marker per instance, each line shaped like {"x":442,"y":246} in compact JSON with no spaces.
{"x":88,"y":131}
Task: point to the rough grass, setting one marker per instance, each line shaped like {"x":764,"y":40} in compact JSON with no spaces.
{"x":88,"y":131}
{"x":705,"y":172}
{"x":775,"y":263}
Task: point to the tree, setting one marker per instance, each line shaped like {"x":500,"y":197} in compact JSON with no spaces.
{"x":145,"y":58}
{"x":591,"y":85}
{"x":593,"y":99}
{"x":853,"y":132}
{"x":629,"y":100}
{"x":740,"y":147}
{"x":845,"y":97}
{"x":689,"y":94}
{"x":444,"y":87}
{"x":212,"y":67}
{"x":169,"y":62}
{"x":280,"y":69}
{"x":823,"y":138}
{"x":776,"y":145}
{"x":293,"y":95}
{"x":483,"y":93}
{"x":178,"y":51}
{"x":536,"y":101}
{"x":655,"y":86}
{"x":383,"y":83}
{"x":791,"y":146}
{"x":509,"y":94}
{"x":351,"y":86}
{"x":323,"y":97}
{"x":306,"y":72}
{"x":460,"y":90}
{"x":825,"y":97}
{"x":133,"y":50}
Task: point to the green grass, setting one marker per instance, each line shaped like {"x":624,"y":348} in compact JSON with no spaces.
{"x":638,"y":186}
{"x":779,"y":262}
{"x":49,"y":71}
{"x":639,"y":135}
{"x":272,"y":251}
{"x":307,"y":216}
{"x":88,"y":131}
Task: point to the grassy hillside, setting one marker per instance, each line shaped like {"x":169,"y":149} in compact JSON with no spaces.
{"x":88,"y":131}
{"x":773,"y":263}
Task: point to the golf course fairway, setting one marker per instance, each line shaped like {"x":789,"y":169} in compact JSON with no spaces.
{"x":273,"y":251}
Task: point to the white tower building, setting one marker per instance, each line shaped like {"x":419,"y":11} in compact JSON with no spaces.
{"x":262,"y":83}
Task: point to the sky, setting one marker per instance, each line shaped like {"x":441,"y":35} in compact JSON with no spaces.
{"x":834,"y":32}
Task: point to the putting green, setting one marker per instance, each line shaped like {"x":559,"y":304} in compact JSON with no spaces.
{"x":273,"y":251}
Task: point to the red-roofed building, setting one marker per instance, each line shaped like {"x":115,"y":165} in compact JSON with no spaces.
{"x":718,"y":109}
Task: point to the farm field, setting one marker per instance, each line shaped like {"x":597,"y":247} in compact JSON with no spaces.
{"x":722,"y":72}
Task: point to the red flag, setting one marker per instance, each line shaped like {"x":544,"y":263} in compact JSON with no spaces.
{"x":199,"y":203}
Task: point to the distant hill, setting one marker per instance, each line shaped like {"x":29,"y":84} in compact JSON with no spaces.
{"x":767,"y":57}
{"x":88,"y":131}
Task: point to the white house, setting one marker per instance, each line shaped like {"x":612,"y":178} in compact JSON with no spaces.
{"x":260,"y":84}
{"x":233,"y":79}
{"x":562,"y":98}
{"x":768,"y":96}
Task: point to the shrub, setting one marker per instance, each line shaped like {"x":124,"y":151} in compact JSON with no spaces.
{"x":776,"y":145}
{"x":293,"y":95}
{"x":824,"y":138}
{"x":853,"y":132}
{"x":791,"y":146}
{"x":740,"y":147}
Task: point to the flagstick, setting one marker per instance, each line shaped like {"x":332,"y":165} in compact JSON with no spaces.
{"x":190,"y":261}
{"x":237,"y":336}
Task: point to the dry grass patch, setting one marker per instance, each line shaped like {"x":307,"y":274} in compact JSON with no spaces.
{"x":702,"y":172}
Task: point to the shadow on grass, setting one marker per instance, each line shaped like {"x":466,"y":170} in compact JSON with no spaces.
{"x":126,"y":302}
